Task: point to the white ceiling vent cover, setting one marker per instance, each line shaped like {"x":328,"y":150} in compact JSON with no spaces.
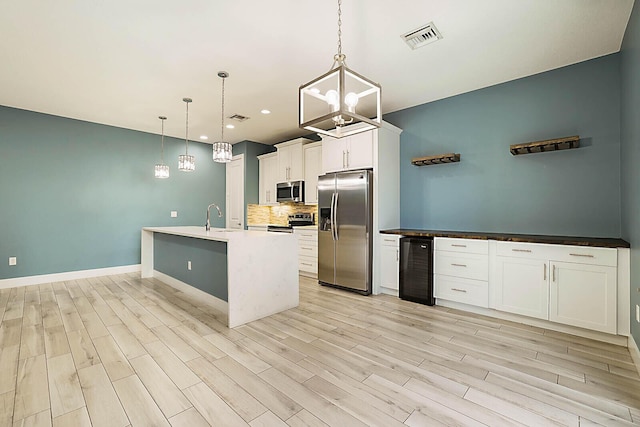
{"x":422,"y":36}
{"x":238,"y":117}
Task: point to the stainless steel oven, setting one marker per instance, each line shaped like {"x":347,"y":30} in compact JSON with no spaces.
{"x":291,"y":191}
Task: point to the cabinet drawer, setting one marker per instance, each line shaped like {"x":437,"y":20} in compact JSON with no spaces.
{"x":467,"y":291}
{"x":306,"y":237}
{"x":470,"y":266}
{"x":308,"y":250}
{"x":565,"y":253}
{"x":523,"y":250}
{"x":586,"y":255}
{"x":462,"y":245}
{"x":308,"y":264}
{"x":387,"y":240}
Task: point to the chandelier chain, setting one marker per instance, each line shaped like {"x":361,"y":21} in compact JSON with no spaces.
{"x":339,"y":27}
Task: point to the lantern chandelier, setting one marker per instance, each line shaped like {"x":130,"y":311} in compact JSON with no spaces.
{"x":222,"y":151}
{"x":162,"y":170}
{"x":186,"y":162}
{"x":339,"y":98}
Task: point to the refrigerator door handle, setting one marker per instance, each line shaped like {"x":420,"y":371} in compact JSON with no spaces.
{"x":335,"y":216}
{"x":333,"y":233}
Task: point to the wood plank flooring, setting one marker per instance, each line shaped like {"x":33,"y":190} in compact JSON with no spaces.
{"x":123,"y":351}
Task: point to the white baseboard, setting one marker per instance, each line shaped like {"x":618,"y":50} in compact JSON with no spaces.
{"x":216,"y":303}
{"x":635,"y":352}
{"x":68,"y":275}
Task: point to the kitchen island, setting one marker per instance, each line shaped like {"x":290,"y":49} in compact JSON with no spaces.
{"x":247,"y":275}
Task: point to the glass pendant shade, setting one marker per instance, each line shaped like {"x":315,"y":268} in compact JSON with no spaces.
{"x":186,"y":163}
{"x":161,"y":170}
{"x":222,"y":152}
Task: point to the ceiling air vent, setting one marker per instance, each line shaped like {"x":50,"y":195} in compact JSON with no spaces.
{"x":238,"y":117}
{"x":422,"y":36}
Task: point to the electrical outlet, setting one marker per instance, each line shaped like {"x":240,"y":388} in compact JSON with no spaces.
{"x":174,"y":214}
{"x":13,"y":260}
{"x":637,"y":313}
{"x":188,"y":265}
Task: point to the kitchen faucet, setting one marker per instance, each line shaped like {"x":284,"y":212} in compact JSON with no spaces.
{"x":208,"y":224}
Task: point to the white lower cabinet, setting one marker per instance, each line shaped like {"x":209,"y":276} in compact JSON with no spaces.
{"x":390,"y":262}
{"x":571,"y":285}
{"x":583,"y":295}
{"x":461,"y":271}
{"x":307,"y":251}
{"x":522,"y":287}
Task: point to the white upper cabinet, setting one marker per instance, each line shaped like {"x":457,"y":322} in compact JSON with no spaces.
{"x":348,"y":153}
{"x":268,"y":178}
{"x":291,"y":160}
{"x":312,"y":169}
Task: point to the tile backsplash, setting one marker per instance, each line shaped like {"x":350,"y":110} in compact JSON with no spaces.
{"x":276,"y":214}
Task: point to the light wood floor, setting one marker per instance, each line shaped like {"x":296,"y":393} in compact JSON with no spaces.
{"x":118,"y":351}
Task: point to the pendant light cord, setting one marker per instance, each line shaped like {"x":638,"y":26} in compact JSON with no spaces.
{"x":222,"y":118}
{"x":186,"y":138}
{"x":162,"y":143}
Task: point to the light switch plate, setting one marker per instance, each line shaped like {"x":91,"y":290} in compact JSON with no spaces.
{"x":13,"y":260}
{"x":637,"y":313}
{"x":188,"y":265}
{"x":174,"y":214}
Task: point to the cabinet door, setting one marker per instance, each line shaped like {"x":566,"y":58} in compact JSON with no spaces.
{"x":268,"y":171}
{"x":312,"y":168}
{"x":583,"y":295}
{"x":296,"y":163}
{"x":522,"y":286}
{"x":290,"y":163}
{"x":284,"y":163}
{"x":333,"y":154}
{"x":389,"y":262}
{"x":271,"y":178}
{"x":360,"y":151}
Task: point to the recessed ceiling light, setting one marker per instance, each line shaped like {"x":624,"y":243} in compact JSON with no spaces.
{"x":265,"y":111}
{"x":230,"y":126}
{"x":204,"y":137}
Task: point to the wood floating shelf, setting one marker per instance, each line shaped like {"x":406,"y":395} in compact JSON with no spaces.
{"x":436,"y":160}
{"x":544,"y":146}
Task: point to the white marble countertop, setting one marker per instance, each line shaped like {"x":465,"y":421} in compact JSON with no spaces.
{"x":219,"y":234}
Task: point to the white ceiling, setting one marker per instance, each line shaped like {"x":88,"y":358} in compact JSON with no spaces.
{"x":125,"y":62}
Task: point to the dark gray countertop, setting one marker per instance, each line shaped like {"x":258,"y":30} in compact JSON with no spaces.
{"x":603,"y":242}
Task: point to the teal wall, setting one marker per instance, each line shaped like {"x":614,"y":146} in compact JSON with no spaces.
{"x":208,"y":262}
{"x":572,"y":192}
{"x":630,"y":155}
{"x":74,"y":195}
{"x":251,"y":151}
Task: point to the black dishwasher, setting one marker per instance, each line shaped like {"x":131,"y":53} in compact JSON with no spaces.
{"x":416,"y":269}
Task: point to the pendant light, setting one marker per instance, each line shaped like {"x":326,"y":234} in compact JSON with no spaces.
{"x":186,"y":162}
{"x":162,"y":170}
{"x":222,"y":151}
{"x":339,"y":98}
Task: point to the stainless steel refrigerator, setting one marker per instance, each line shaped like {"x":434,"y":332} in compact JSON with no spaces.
{"x":345,"y":206}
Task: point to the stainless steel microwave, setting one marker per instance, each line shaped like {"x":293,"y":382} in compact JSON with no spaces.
{"x":291,"y":191}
